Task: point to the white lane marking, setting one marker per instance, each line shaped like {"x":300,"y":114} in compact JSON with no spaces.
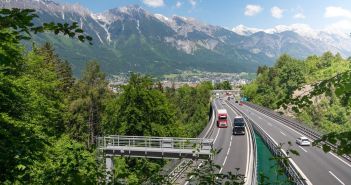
{"x":303,"y":149}
{"x":259,"y":117}
{"x":212,"y":122}
{"x":247,"y":148}
{"x":280,"y":123}
{"x":292,"y":161}
{"x":225,"y":159}
{"x":340,"y":159}
{"x":214,"y":141}
{"x":215,"y":104}
{"x":283,"y":133}
{"x":247,"y":153}
{"x":230,"y":144}
{"x":336,"y":178}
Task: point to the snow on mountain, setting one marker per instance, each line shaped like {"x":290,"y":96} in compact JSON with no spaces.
{"x":314,"y":39}
{"x":130,"y":27}
{"x":245,"y":31}
{"x":162,"y":17}
{"x":301,"y":29}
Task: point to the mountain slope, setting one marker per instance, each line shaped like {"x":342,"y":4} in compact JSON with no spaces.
{"x":132,"y":39}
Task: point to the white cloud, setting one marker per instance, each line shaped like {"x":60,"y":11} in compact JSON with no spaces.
{"x":277,"y":12}
{"x":334,"y":11}
{"x":178,"y":4}
{"x":299,"y":16}
{"x":340,"y":26}
{"x":192,"y":2}
{"x":154,"y":3}
{"x":251,"y":10}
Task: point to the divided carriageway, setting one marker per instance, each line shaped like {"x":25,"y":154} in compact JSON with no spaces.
{"x":237,"y":151}
{"x":316,"y":166}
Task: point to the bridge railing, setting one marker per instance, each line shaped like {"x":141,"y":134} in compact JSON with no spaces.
{"x":274,"y":147}
{"x":146,"y":143}
{"x":303,"y":128}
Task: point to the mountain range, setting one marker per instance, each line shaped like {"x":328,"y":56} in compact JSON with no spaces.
{"x":132,"y":39}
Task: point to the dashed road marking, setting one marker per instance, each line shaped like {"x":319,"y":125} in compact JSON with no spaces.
{"x":303,"y":149}
{"x":336,"y":178}
{"x":340,"y":159}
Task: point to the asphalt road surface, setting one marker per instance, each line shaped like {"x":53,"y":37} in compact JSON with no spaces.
{"x":320,"y":168}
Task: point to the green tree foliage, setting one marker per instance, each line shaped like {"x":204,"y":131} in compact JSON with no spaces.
{"x":87,"y":105}
{"x":29,"y":135}
{"x":192,"y":108}
{"x":223,"y":85}
{"x":325,"y":107}
{"x":144,"y":108}
{"x":33,"y":87}
{"x":19,"y":23}
{"x":49,"y":120}
{"x":141,"y":109}
{"x":66,"y":161}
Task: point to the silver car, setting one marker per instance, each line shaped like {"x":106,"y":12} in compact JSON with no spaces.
{"x":303,"y":141}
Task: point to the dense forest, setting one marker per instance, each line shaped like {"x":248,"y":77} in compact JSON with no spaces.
{"x":290,"y":83}
{"x":49,"y":120}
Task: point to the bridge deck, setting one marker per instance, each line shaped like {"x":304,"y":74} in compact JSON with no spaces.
{"x":156,"y":147}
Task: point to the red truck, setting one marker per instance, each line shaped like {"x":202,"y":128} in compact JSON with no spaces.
{"x":222,"y":118}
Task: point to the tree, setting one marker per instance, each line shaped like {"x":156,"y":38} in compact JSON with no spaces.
{"x":224,"y":85}
{"x":143,"y":110}
{"x":61,"y":67}
{"x":19,"y":23}
{"x":86,"y":107}
{"x":31,"y":102}
{"x":67,"y":162}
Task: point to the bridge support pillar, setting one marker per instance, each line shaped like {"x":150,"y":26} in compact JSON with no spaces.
{"x":109,"y":169}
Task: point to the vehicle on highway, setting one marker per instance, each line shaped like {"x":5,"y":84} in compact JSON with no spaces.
{"x":303,"y":141}
{"x":236,"y":101}
{"x":222,"y":121}
{"x":239,"y":126}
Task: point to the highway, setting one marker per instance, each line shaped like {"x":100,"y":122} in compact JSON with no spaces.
{"x":318,"y":167}
{"x":235,"y":150}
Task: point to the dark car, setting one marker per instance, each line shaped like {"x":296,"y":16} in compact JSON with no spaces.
{"x":239,"y":126}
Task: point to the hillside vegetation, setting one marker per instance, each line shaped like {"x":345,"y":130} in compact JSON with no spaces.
{"x":275,"y":87}
{"x":49,"y":120}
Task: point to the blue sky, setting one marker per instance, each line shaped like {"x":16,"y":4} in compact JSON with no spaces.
{"x":318,"y":14}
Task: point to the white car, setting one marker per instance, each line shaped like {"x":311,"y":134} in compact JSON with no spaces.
{"x":303,"y":141}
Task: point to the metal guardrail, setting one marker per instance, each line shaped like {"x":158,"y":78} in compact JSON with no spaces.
{"x":290,"y":168}
{"x":292,"y":171}
{"x":253,"y":179}
{"x":295,"y":125}
{"x":179,"y":170}
{"x":301,"y":127}
{"x":154,"y":145}
{"x":185,"y":163}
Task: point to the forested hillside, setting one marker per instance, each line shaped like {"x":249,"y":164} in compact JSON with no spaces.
{"x":49,"y":120}
{"x":294,"y":86}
